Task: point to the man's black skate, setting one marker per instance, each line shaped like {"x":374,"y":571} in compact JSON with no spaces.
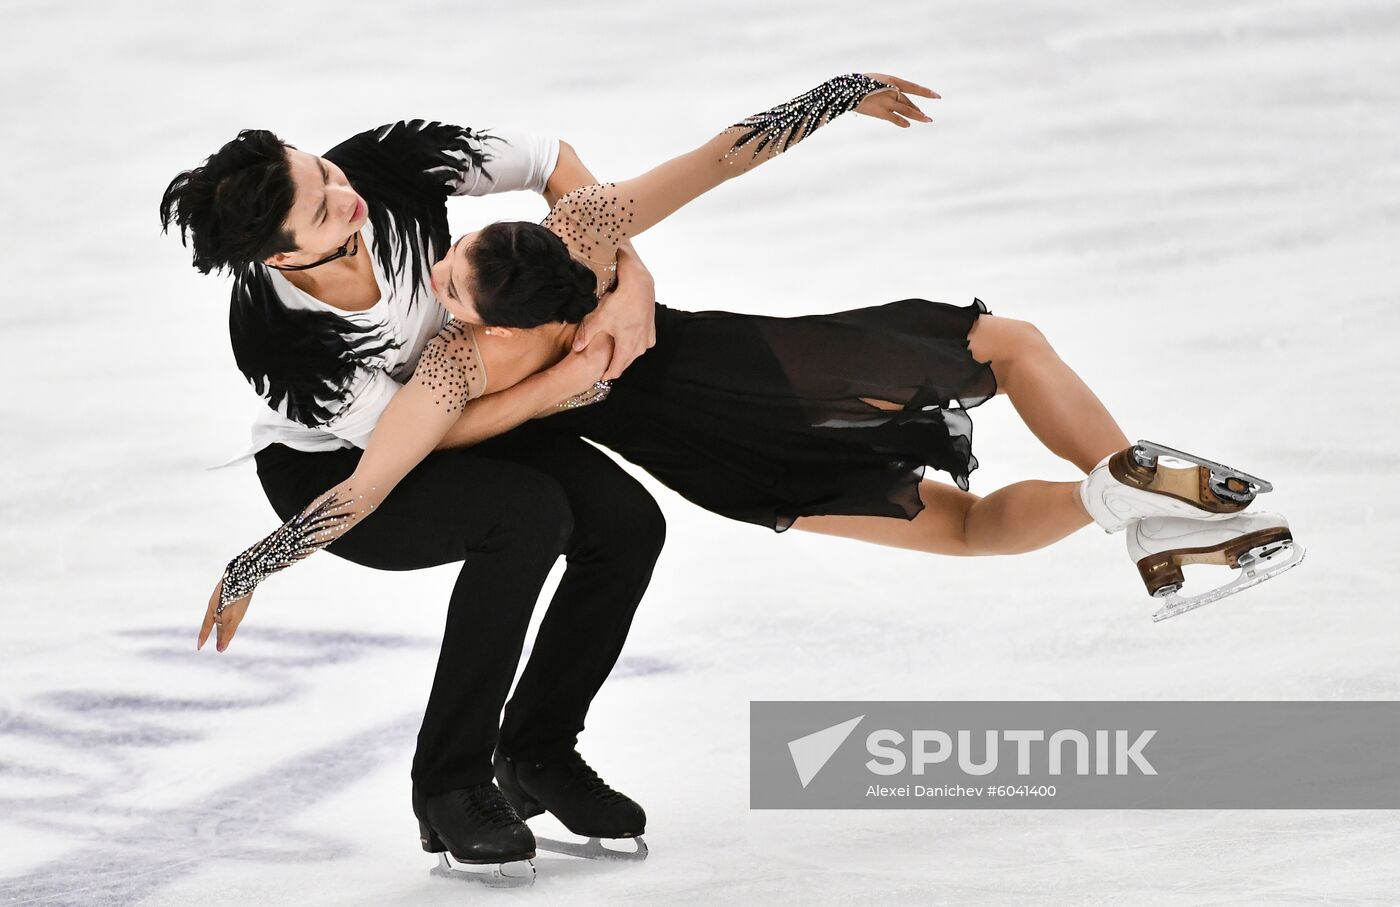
{"x":572,"y":791}
{"x":477,"y":825}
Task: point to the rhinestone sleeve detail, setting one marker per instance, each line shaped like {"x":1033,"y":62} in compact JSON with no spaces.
{"x":321,"y":523}
{"x":777,"y":129}
{"x":595,"y":394}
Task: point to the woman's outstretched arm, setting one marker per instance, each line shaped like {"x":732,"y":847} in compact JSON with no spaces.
{"x":449,"y":373}
{"x":594,"y":220}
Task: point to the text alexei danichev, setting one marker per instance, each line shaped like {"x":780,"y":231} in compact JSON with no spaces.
{"x":960,"y":792}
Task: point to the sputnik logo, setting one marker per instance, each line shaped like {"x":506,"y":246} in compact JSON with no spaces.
{"x":811,"y":753}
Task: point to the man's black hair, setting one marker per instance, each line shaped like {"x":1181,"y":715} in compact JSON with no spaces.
{"x":232,"y":207}
{"x":305,"y":362}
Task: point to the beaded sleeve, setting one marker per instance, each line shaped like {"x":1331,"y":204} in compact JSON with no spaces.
{"x":449,"y":373}
{"x":594,"y":220}
{"x":765,"y":135}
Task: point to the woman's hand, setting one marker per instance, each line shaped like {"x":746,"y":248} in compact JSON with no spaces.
{"x":228,"y":621}
{"x":895,"y":105}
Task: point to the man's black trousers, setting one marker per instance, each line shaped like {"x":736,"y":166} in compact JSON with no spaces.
{"x":507,"y":509}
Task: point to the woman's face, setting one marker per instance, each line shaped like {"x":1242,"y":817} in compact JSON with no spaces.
{"x":326,"y":210}
{"x":452,"y":277}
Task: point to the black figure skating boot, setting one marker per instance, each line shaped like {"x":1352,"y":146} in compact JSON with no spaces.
{"x":572,"y":791}
{"x":481,"y":830}
{"x":1133,"y":484}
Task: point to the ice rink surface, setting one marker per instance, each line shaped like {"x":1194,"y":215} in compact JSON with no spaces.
{"x":1198,"y":203}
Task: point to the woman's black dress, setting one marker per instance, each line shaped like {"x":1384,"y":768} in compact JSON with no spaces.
{"x":765,"y":419}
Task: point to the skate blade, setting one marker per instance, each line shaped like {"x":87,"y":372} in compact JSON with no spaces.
{"x":1153,"y":449}
{"x":1254,"y":569}
{"x":492,"y":875}
{"x":593,"y":849}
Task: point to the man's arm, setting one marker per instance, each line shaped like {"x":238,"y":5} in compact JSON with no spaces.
{"x":628,"y":313}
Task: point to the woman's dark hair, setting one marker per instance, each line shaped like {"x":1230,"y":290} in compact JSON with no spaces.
{"x":234,"y":204}
{"x":524,"y":277}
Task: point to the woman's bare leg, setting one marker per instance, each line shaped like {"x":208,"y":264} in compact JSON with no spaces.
{"x":1063,"y":413}
{"x":1020,"y":517}
{"x":1054,"y":402}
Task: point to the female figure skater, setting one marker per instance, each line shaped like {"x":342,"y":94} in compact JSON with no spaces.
{"x":822,"y":422}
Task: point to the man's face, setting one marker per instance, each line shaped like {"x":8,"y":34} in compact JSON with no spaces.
{"x":452,"y":277}
{"x":326,"y":211}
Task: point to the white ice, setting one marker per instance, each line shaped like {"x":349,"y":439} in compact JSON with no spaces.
{"x":1197,"y":202}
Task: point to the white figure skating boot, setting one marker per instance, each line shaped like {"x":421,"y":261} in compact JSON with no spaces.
{"x":1259,"y":545}
{"x":1133,"y":484}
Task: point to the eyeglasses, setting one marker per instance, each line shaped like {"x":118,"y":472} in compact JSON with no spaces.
{"x":347,"y":249}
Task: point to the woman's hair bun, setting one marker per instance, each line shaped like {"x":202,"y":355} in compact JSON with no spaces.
{"x":524,"y":276}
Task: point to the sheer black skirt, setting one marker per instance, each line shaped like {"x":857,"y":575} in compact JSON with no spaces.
{"x":765,"y":419}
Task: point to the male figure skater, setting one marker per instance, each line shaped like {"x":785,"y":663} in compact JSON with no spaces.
{"x":330,"y":310}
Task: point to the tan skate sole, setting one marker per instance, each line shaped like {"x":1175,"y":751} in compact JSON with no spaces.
{"x":1164,"y":567}
{"x":1190,"y":484}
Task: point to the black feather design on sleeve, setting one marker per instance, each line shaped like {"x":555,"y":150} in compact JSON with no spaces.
{"x":406,"y":171}
{"x":792,"y":121}
{"x":306,"y":358}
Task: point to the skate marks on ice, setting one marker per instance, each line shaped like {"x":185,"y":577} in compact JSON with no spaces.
{"x":102,"y":741}
{"x":74,"y":762}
